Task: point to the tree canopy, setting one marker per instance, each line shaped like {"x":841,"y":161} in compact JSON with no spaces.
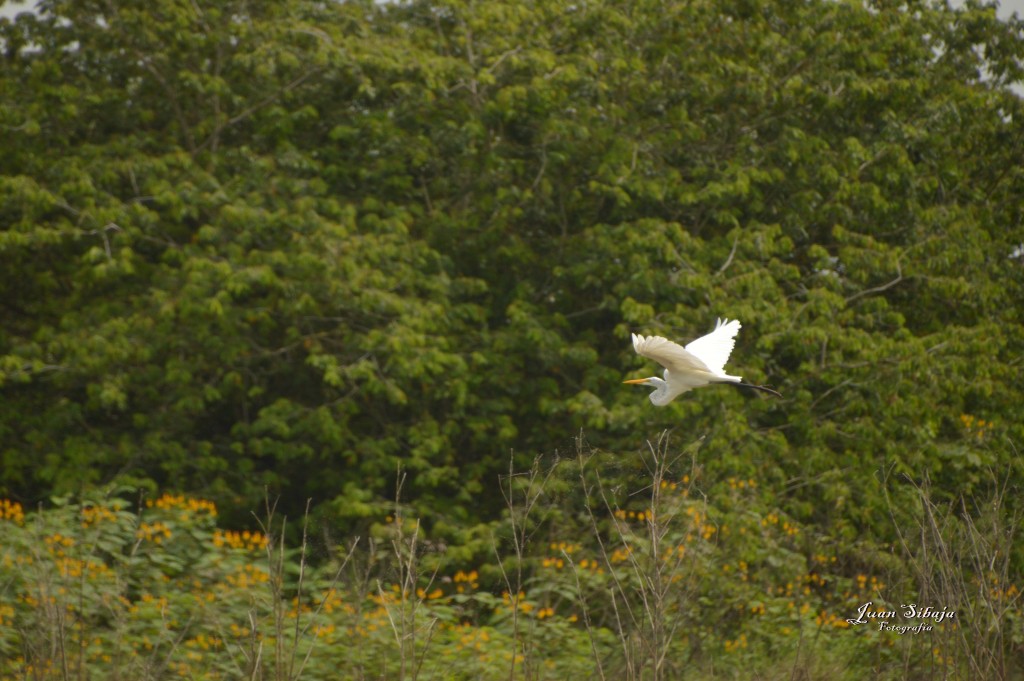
{"x":297,"y":245}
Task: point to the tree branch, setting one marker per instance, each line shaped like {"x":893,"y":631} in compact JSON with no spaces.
{"x":878,"y":289}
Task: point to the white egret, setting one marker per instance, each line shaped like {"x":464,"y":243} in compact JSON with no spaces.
{"x":700,"y":363}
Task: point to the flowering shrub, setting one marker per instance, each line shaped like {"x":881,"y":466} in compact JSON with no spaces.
{"x":695,"y":575}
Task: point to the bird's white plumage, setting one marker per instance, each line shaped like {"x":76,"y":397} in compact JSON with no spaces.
{"x":714,"y":348}
{"x":698,"y":364}
{"x":673,"y":356}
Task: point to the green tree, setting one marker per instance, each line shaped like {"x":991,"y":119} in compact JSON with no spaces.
{"x":298,"y":245}
{"x":190,"y":300}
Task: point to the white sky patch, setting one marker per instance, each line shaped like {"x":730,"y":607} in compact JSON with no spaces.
{"x":12,"y":8}
{"x":1008,"y":7}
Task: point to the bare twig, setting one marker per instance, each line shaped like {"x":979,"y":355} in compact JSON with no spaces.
{"x":878,"y":289}
{"x":732,"y":253}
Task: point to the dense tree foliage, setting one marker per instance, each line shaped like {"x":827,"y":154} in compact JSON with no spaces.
{"x":296,"y":245}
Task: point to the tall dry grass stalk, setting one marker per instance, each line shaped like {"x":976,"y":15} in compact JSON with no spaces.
{"x":521,"y":490}
{"x":294,"y":626}
{"x":649,"y":602}
{"x":402,"y":615}
{"x":960,"y":556}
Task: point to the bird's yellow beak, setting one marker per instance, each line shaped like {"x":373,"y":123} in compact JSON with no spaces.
{"x":637,"y":381}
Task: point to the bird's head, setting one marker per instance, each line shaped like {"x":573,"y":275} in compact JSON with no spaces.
{"x":650,"y":382}
{"x":661,"y":395}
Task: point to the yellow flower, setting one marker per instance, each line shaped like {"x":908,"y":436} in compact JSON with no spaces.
{"x":11,"y":510}
{"x":243,"y":541}
{"x":154,"y":532}
{"x":169,"y":502}
{"x":91,"y":515}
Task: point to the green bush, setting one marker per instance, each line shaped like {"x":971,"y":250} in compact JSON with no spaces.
{"x":677,"y":574}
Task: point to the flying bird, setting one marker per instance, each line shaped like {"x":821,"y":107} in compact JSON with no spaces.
{"x":700,"y":363}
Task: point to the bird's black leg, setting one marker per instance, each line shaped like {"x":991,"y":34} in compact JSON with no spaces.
{"x":763,"y":388}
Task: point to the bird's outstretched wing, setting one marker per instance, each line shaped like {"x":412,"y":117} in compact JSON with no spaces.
{"x":713,"y":350}
{"x":672,"y":356}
